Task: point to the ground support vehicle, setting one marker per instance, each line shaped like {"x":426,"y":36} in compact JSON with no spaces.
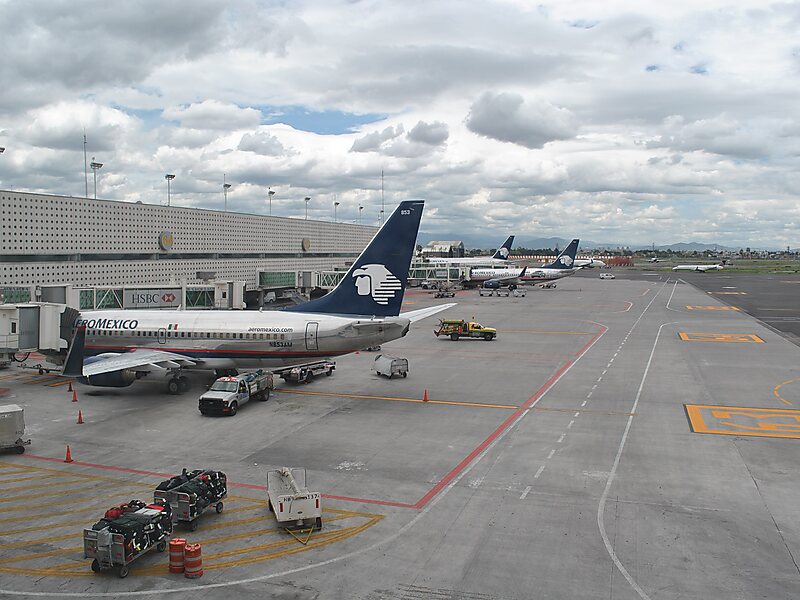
{"x":607,"y":276}
{"x":458,"y":328}
{"x":12,"y":428}
{"x":117,"y":542}
{"x":227,"y":394}
{"x":444,"y":294}
{"x":191,"y":493}
{"x":520,"y":292}
{"x":482,"y":291}
{"x":503,"y":292}
{"x":305,"y":373}
{"x":390,"y":366}
{"x":288,"y":497}
{"x":547,"y":286}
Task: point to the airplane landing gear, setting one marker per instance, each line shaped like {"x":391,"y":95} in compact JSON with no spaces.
{"x":178,"y":384}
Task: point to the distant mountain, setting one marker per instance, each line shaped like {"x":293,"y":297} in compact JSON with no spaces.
{"x":485,"y":242}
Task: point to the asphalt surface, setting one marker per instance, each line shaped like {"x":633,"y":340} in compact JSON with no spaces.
{"x":582,"y":454}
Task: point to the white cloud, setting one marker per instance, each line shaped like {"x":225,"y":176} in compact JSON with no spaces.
{"x":567,"y":119}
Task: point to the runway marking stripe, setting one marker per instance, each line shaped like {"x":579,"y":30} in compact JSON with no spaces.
{"x":536,"y":331}
{"x":730,"y":293}
{"x":400,"y":399}
{"x":749,"y":338}
{"x":57,"y":383}
{"x":688,"y":307}
{"x":744,"y":421}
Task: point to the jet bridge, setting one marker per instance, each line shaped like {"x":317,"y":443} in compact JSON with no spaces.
{"x":44,"y":327}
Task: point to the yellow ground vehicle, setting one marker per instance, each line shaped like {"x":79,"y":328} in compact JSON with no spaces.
{"x":458,"y":328}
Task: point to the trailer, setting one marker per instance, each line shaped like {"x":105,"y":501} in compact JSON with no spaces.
{"x":116,"y":543}
{"x":295,"y":507}
{"x":306,"y":373}
{"x":191,"y":493}
{"x":390,"y":365}
{"x":12,"y":428}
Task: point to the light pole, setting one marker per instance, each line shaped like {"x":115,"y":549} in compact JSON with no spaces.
{"x":307,"y":198}
{"x":270,"y":193}
{"x":225,"y":188}
{"x":95,"y":167}
{"x":360,"y":208}
{"x":335,"y":204}
{"x":169,"y":177}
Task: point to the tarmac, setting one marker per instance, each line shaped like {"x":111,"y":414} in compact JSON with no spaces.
{"x":623,"y":439}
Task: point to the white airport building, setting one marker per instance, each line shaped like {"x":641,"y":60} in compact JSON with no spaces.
{"x":99,"y":252}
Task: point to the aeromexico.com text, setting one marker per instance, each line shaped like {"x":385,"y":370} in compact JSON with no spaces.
{"x":107,"y":323}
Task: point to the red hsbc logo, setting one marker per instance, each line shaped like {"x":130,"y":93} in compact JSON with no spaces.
{"x":168,"y":297}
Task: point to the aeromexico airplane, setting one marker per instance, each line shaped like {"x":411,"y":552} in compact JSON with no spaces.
{"x":500,"y":257}
{"x":562,"y":266}
{"x":114,"y":348}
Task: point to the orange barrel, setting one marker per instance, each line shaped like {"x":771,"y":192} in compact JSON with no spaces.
{"x":193,"y":561}
{"x":176,"y":549}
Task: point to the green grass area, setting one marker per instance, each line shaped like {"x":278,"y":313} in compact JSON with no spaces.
{"x":739,"y":265}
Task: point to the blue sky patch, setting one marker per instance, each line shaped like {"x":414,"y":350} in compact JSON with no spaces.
{"x":328,"y":122}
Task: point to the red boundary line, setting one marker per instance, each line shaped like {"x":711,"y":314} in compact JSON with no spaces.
{"x":434,"y":490}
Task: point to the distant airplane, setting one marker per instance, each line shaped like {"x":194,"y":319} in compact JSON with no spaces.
{"x":500,"y":257}
{"x":698,"y":268}
{"x":114,"y":348}
{"x":588,"y":263}
{"x":562,"y":266}
{"x":655,"y":260}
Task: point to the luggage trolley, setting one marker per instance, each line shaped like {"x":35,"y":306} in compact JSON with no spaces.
{"x":109,"y":549}
{"x":186,"y":504}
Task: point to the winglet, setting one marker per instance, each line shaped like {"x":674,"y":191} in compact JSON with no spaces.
{"x":73,"y":365}
{"x":375,"y":284}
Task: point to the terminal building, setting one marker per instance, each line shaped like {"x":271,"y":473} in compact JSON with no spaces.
{"x":107,"y":254}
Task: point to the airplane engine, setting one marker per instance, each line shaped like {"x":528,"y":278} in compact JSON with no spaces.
{"x":115,"y":379}
{"x":122,"y":378}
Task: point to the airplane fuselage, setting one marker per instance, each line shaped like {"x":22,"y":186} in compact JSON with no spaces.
{"x":542,"y":274}
{"x":699,"y":268}
{"x":237,"y":339}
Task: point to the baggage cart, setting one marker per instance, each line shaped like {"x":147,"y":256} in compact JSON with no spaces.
{"x":109,"y":549}
{"x":12,"y":428}
{"x":186,"y":498}
{"x":288,"y":497}
{"x":390,"y":365}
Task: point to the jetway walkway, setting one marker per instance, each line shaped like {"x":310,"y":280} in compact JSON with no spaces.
{"x":44,"y":327}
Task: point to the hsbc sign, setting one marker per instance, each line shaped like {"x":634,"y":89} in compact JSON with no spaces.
{"x":152,"y":298}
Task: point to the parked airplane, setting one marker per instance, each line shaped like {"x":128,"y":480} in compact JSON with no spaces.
{"x":655,"y":260}
{"x":562,"y":266}
{"x":500,"y":257}
{"x":698,"y":268}
{"x":114,"y":348}
{"x":588,"y":263}
{"x":495,"y":278}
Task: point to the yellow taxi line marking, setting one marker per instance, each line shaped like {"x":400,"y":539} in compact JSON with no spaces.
{"x":536,"y":331}
{"x":57,"y":383}
{"x":42,"y":379}
{"x":34,"y":496}
{"x":734,"y":308}
{"x":776,"y":391}
{"x":418,"y":400}
{"x":736,"y":338}
{"x":28,"y":478}
{"x":37,"y":486}
{"x":47,"y":540}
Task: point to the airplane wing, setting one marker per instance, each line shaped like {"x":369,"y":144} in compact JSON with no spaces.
{"x":142,"y":360}
{"x":422,"y":313}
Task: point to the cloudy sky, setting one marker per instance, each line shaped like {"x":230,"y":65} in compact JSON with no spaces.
{"x":627,"y":122}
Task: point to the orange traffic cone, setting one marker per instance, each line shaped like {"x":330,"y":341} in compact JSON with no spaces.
{"x":425,"y":397}
{"x":68,"y":458}
{"x":69,"y":389}
{"x":80,"y":418}
{"x":74,"y":396}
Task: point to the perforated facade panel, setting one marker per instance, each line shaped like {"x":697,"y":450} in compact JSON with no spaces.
{"x":56,"y":239}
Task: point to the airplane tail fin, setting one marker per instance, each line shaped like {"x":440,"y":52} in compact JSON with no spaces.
{"x":504,"y":250}
{"x":566,"y":259}
{"x":375,"y":284}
